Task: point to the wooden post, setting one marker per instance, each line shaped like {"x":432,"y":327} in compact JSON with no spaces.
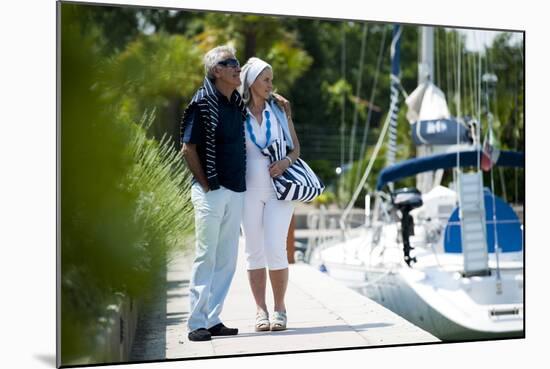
{"x":290,"y":241}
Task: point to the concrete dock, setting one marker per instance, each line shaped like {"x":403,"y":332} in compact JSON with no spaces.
{"x":322,"y":314}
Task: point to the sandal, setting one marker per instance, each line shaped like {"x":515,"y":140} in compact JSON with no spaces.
{"x":262,"y":321}
{"x":279,"y":321}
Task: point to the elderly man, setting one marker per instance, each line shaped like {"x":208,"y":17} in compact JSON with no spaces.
{"x":213,"y":145}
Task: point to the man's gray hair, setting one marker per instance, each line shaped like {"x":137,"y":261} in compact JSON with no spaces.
{"x":214,"y":56}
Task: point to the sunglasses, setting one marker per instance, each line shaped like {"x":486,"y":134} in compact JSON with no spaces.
{"x":231,"y":63}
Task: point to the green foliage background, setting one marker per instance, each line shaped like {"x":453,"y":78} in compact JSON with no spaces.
{"x":124,"y":202}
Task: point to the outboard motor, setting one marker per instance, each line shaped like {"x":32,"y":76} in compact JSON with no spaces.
{"x":405,"y":200}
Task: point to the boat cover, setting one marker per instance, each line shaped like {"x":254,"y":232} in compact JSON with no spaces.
{"x":509,"y":234}
{"x":439,"y":132}
{"x":414,"y":166}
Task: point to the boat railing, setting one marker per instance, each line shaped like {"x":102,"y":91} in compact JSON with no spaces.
{"x":323,"y":228}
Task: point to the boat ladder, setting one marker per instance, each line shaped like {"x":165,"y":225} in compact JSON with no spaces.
{"x":472,"y":222}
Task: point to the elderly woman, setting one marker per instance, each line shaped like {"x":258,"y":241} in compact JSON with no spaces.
{"x":266,"y":219}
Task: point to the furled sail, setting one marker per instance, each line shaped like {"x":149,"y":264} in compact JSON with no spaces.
{"x":431,"y":122}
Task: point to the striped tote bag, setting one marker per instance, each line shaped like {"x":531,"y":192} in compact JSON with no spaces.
{"x":298,"y":182}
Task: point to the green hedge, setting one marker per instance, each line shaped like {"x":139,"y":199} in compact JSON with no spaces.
{"x":124,"y":197}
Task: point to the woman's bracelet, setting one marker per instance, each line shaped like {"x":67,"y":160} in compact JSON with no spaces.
{"x":289,"y":160}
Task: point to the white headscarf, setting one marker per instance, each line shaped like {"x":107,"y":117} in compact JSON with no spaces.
{"x":249,"y":72}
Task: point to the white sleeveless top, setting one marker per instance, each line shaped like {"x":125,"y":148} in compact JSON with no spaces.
{"x":257,"y":164}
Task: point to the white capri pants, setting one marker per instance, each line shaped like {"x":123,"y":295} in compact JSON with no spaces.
{"x":265,"y":227}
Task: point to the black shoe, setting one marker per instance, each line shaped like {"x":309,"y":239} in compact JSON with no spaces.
{"x":222,"y":330}
{"x":200,"y":334}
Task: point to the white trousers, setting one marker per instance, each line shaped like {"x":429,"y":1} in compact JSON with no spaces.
{"x":217,"y":223}
{"x":265,"y":227}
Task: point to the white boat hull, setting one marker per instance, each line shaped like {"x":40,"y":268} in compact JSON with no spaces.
{"x":433,"y":293}
{"x":396,"y":289}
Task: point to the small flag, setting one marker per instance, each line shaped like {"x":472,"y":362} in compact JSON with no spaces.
{"x":490,"y":153}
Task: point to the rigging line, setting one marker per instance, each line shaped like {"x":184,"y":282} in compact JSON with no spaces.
{"x":516,"y":121}
{"x":489,"y":137}
{"x":381,"y":54}
{"x":500,"y":170}
{"x":469,"y":92}
{"x":450,"y":69}
{"x":477,"y":100}
{"x":371,"y":163}
{"x":343,"y":113}
{"x":495,"y":103}
{"x":458,"y":77}
{"x":495,"y":231}
{"x":452,"y":45}
{"x":488,"y":61}
{"x":475,"y":110}
{"x":473,"y":100}
{"x":391,"y":118}
{"x":451,"y":86}
{"x":471,"y":77}
{"x":437,"y":57}
{"x":448,"y":87}
{"x":475,"y":83}
{"x":358,"y":90}
{"x":478,"y":85}
{"x":459,"y":59}
{"x":466,"y":84}
{"x":480,"y":79}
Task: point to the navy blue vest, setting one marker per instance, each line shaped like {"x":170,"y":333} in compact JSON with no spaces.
{"x":219,"y":136}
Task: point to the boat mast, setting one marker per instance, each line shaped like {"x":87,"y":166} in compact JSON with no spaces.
{"x":424,"y":181}
{"x":426,"y":62}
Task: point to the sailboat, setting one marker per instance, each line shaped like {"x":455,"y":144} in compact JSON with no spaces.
{"x":448,"y":259}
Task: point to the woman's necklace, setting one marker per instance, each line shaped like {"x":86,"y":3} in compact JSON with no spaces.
{"x":267,"y":133}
